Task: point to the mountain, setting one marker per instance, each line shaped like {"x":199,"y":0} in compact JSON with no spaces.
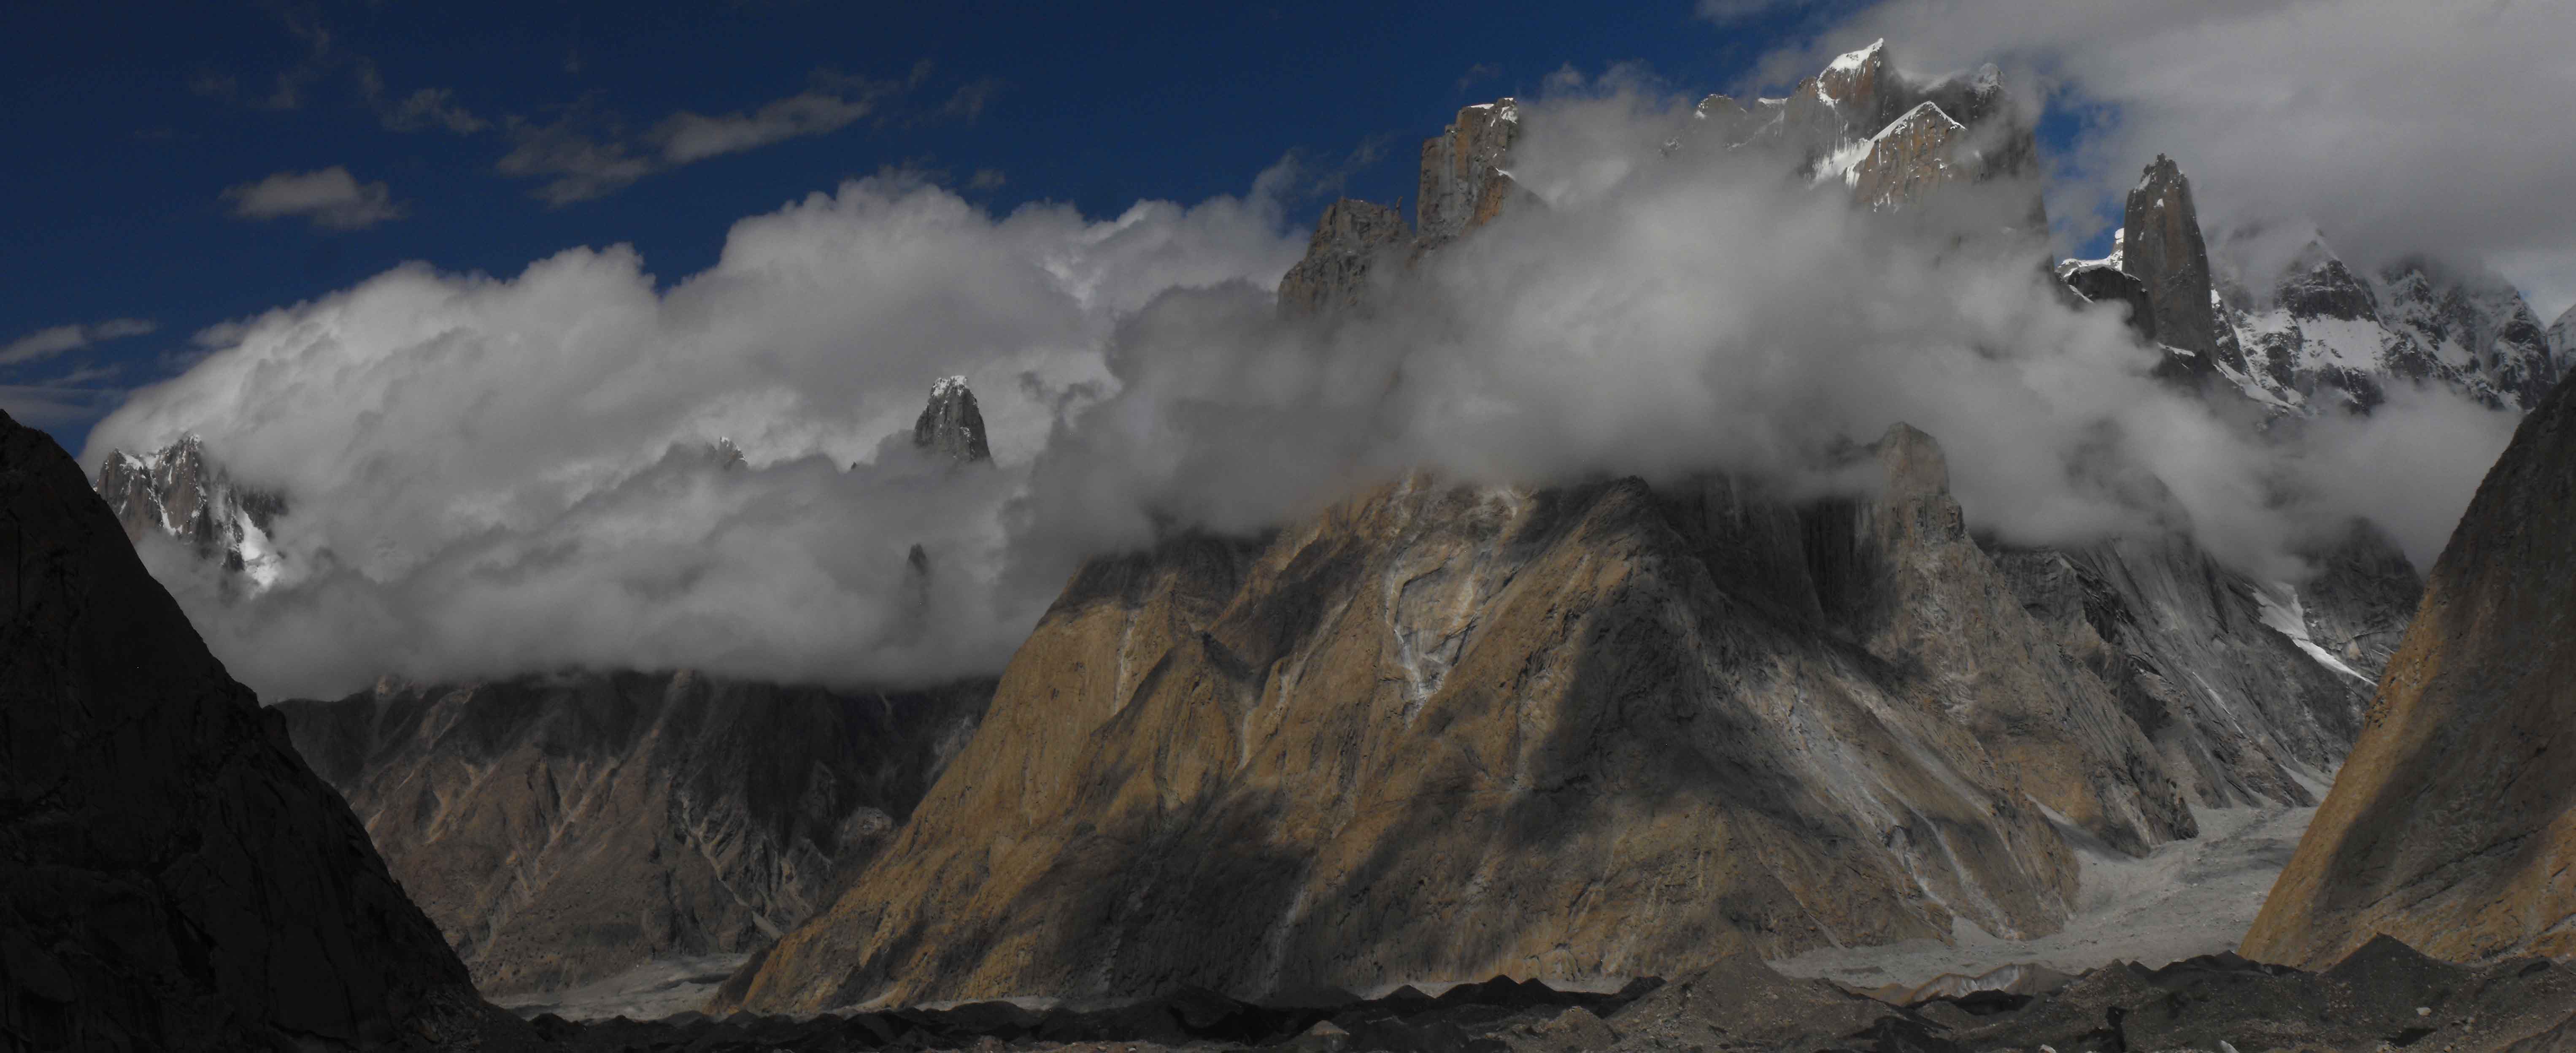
{"x":180,"y":493}
{"x":2161,"y":246}
{"x":951,"y":425}
{"x":563,"y":828}
{"x":172,"y":875}
{"x":1440,"y":732}
{"x":2450,"y":825}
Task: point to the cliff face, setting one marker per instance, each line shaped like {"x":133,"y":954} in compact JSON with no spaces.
{"x":563,"y":828}
{"x":2451,"y":825}
{"x":172,"y":876}
{"x":2161,"y":246}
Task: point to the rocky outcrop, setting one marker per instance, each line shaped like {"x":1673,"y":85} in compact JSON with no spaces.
{"x":951,"y":426}
{"x":2162,"y":247}
{"x":1351,"y":239}
{"x":181,"y":494}
{"x":563,"y":828}
{"x":172,"y":875}
{"x":2450,"y":825}
{"x":1464,"y":184}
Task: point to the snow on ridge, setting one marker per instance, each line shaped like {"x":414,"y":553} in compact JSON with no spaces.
{"x":1852,"y":61}
{"x":944,"y":385}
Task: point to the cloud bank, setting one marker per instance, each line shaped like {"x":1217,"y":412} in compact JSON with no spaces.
{"x":491,"y":476}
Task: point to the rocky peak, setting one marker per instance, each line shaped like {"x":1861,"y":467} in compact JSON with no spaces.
{"x":1348,"y":241}
{"x":1913,"y":463}
{"x":2473,"y":325}
{"x":951,"y":426}
{"x":1464,"y":185}
{"x":2562,"y":341}
{"x":181,"y":493}
{"x":2162,"y":247}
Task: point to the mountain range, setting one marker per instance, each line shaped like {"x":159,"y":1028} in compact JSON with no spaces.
{"x":1441,"y":731}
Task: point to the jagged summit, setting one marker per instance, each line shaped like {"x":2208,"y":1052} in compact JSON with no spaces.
{"x":181,"y":493}
{"x":951,"y":425}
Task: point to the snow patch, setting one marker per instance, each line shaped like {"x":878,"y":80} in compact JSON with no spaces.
{"x":1852,"y":61}
{"x":2279,"y":603}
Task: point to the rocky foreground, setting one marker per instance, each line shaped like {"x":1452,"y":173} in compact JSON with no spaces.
{"x":2383,"y":996}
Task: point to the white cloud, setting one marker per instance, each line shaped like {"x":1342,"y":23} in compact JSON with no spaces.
{"x":491,"y":474}
{"x":48,"y":342}
{"x":331,"y":198}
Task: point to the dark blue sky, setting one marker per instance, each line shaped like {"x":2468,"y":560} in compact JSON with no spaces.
{"x":132,"y":120}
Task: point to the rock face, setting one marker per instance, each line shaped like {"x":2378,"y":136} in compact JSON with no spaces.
{"x":172,"y":876}
{"x":1441,"y":732}
{"x":563,"y":828}
{"x":1906,"y":160}
{"x":951,"y":426}
{"x":1351,"y":239}
{"x":2450,"y":825}
{"x":1464,"y":185}
{"x":2161,"y":246}
{"x":178,"y":492}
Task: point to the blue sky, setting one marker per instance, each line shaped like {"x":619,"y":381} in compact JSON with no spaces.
{"x":143,"y":119}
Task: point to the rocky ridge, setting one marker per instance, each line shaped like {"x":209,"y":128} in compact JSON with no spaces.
{"x":951,"y":425}
{"x":2450,"y":826}
{"x":172,"y":874}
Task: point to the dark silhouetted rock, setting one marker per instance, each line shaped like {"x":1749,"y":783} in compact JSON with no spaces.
{"x":2100,"y":282}
{"x":172,"y":876}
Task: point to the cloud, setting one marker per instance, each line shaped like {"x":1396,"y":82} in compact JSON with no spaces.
{"x":46,"y":343}
{"x":331,"y":198}
{"x":1729,"y":11}
{"x":685,"y":136}
{"x":2395,"y":127}
{"x":1476,"y":74}
{"x":987,"y":179}
{"x":430,"y":108}
{"x":493,"y":476}
{"x":584,"y":153}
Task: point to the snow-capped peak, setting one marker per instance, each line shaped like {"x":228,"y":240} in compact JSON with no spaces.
{"x":944,"y":386}
{"x":1852,"y":61}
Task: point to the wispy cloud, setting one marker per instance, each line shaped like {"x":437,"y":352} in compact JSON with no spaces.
{"x":325,"y":58}
{"x":1478,"y":73}
{"x":331,"y":198}
{"x":46,"y":343}
{"x":586,"y":153}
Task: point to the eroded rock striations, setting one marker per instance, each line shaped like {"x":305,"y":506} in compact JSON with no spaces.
{"x":172,"y":875}
{"x":564,"y":828}
{"x":1464,"y":184}
{"x":2450,"y":826}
